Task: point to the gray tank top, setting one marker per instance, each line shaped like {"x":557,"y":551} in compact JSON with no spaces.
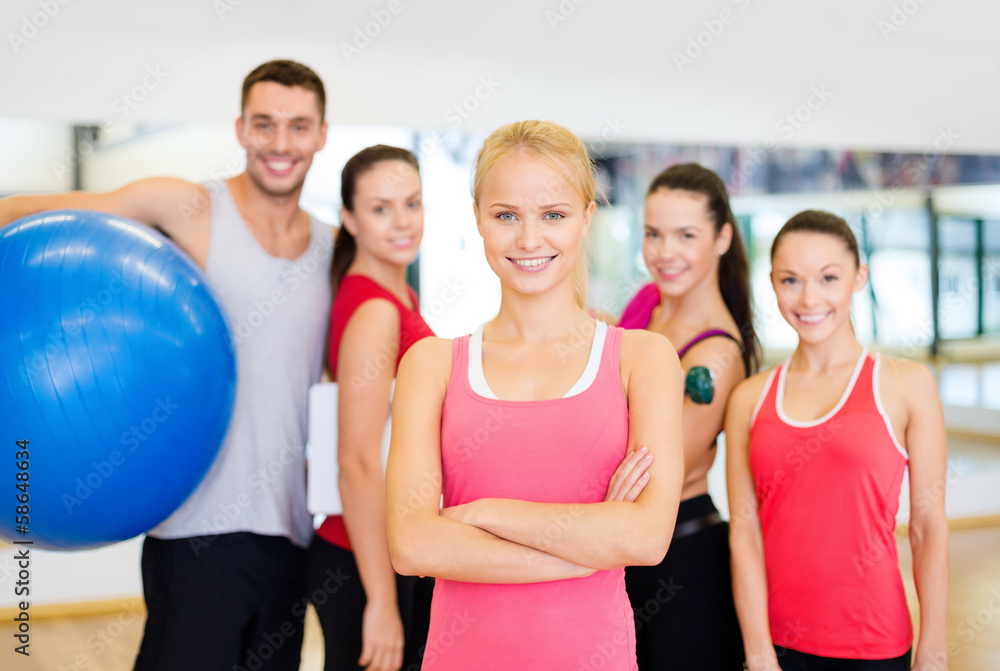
{"x":279,"y":311}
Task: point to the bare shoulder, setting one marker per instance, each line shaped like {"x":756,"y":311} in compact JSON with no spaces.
{"x":906,"y":379}
{"x":180,"y":208}
{"x":428,"y":358}
{"x":371,"y":332}
{"x":719,"y":354}
{"x":642,"y":347}
{"x":375,"y":313}
{"x":170,"y":186}
{"x":746,"y":394}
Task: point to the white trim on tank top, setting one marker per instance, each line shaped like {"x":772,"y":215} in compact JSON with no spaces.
{"x":477,"y":379}
{"x":763,"y":395}
{"x":779,"y":399}
{"x":877,"y":392}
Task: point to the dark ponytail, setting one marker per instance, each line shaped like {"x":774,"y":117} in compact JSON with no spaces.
{"x":346,"y":247}
{"x":734,"y":266}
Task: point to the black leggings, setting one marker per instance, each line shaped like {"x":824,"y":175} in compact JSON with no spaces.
{"x":793,"y":660}
{"x":335,"y":590}
{"x":684,"y":613}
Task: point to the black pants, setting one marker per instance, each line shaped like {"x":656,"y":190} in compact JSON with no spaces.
{"x":685,"y":618}
{"x":234,"y":602}
{"x":340,"y":604}
{"x":793,"y":660}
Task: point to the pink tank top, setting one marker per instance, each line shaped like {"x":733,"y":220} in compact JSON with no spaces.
{"x":562,"y":450}
{"x":828,"y":492}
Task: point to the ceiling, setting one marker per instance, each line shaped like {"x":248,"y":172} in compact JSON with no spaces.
{"x":860,"y":74}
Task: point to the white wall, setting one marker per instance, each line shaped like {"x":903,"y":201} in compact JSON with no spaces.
{"x":35,"y":156}
{"x":111,"y":572}
{"x":889,"y":78}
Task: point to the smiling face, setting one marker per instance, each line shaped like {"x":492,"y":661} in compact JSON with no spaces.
{"x":387,"y":219}
{"x":814,"y":276}
{"x":680,"y":245}
{"x":533,"y":223}
{"x":281,"y":129}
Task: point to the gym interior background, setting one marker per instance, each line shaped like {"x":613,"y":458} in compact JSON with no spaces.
{"x":882,"y":111}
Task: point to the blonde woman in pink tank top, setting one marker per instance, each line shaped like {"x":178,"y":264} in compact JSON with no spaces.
{"x":553,"y":440}
{"x":816,"y":452}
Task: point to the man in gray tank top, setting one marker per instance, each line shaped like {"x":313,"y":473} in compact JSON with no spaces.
{"x":223,"y":576}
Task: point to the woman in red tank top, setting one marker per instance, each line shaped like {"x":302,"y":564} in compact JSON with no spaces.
{"x":817,"y":449}
{"x":370,"y":617}
{"x":537,"y":524}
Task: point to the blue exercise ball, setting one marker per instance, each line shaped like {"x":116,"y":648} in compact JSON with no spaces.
{"x":119,"y":376}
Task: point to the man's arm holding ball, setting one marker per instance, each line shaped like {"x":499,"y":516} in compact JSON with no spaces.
{"x":179,"y":208}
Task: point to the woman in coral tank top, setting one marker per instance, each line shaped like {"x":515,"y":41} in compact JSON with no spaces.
{"x":817,"y":449}
{"x":553,"y":439}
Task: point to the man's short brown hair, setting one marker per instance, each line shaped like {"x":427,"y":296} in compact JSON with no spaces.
{"x":287,"y":73}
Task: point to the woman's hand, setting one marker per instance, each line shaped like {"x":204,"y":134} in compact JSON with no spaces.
{"x":628,"y":481}
{"x":630,"y":478}
{"x":930,"y":661}
{"x":381,"y":637}
{"x":766,"y":660}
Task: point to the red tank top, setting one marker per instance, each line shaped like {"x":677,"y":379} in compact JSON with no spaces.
{"x":353,"y":291}
{"x":828,"y":492}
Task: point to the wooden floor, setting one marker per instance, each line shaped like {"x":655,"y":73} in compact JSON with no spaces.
{"x":109,"y":642}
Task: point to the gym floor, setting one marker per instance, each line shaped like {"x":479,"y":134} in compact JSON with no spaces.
{"x":109,"y":642}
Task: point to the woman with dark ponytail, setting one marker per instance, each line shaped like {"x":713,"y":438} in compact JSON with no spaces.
{"x":371,"y":617}
{"x":700,"y":300}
